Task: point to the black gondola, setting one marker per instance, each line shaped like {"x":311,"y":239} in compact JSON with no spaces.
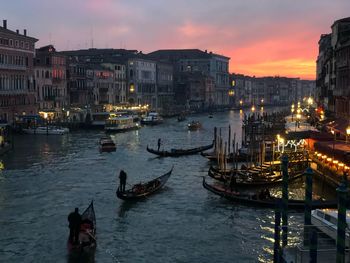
{"x":253,"y":200}
{"x":179,"y":152}
{"x":244,"y":180}
{"x":229,"y":158}
{"x":87,"y":235}
{"x":142,"y":190}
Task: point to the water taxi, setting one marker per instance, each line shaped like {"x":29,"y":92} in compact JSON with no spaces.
{"x":46,"y":130}
{"x":152,"y":118}
{"x":107,"y":145}
{"x":194,"y":125}
{"x":120,"y":123}
{"x":326,"y":220}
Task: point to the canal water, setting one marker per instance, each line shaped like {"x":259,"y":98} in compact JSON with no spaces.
{"x":45,"y":177}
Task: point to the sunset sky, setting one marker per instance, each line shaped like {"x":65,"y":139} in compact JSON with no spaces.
{"x":262,"y":37}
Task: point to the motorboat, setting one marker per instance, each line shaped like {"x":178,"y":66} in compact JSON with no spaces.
{"x":326,"y":220}
{"x":107,"y":145}
{"x":121,"y":123}
{"x":194,"y":125}
{"x":152,"y":118}
{"x":47,"y":130}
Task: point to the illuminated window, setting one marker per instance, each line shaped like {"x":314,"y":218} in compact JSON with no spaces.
{"x":233,"y":83}
{"x":132,"y":88}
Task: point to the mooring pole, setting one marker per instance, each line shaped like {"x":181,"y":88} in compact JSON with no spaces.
{"x":215,"y":140}
{"x":313,"y":246}
{"x":229,"y":140}
{"x":277,"y":234}
{"x":308,"y":202}
{"x":284,"y":200}
{"x":342,"y":191}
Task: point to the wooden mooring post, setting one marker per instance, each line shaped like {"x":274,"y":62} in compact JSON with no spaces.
{"x":284,"y":201}
{"x":308,"y":200}
{"x":342,"y":192}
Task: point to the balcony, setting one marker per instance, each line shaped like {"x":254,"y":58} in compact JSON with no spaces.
{"x":12,"y":67}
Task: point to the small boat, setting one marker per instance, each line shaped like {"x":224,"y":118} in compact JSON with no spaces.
{"x":142,"y":190}
{"x":271,"y":202}
{"x":152,"y":118}
{"x":181,"y":117}
{"x":46,"y":130}
{"x":326,"y":220}
{"x":229,"y":158}
{"x":179,"y":152}
{"x":243,"y":179}
{"x":107,"y":145}
{"x":120,"y":124}
{"x":87,"y":235}
{"x":194,"y":125}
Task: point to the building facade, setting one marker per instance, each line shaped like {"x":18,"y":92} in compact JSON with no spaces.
{"x":208,"y":63}
{"x":17,"y":87}
{"x":142,"y":79}
{"x":51,"y":82}
{"x":333,"y":70}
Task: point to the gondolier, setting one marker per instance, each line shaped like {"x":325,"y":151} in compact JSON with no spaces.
{"x":122,"y":180}
{"x":74,"y":220}
{"x":159,"y":143}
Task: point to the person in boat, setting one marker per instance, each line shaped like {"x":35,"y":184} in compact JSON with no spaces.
{"x":122,"y":180}
{"x":74,"y":219}
{"x":159,"y":143}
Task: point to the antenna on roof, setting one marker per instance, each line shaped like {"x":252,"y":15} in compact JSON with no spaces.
{"x":92,"y":37}
{"x":50,"y":38}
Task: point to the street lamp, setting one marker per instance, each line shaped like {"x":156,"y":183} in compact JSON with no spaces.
{"x":347,"y":133}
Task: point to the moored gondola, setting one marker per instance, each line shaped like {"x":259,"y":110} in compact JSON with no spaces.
{"x":245,"y":180}
{"x":267,"y":202}
{"x":87,"y":234}
{"x":142,"y":190}
{"x":179,"y":152}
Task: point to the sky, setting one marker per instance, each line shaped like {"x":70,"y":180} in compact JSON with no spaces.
{"x":262,"y":37}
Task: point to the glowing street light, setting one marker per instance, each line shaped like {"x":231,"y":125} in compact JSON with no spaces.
{"x":347,"y":133}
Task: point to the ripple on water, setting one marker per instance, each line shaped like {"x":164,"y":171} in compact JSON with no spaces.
{"x":46,"y":177}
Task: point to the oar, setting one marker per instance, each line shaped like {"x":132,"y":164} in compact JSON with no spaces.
{"x":106,"y":250}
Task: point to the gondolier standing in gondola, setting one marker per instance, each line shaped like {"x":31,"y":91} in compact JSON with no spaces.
{"x":74,"y":220}
{"x":122,"y":179}
{"x":159,"y":143}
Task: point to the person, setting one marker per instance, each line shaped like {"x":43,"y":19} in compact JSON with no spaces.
{"x":159,"y":143}
{"x":122,"y":178}
{"x":74,"y":219}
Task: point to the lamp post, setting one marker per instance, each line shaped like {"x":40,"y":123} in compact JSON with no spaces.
{"x":347,"y":133}
{"x":335,"y":137}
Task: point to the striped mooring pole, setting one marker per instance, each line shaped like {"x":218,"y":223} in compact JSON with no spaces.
{"x":284,"y":200}
{"x":342,"y":192}
{"x":308,"y":202}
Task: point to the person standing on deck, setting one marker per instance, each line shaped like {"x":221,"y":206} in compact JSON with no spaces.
{"x":159,"y":143}
{"x":74,"y":220}
{"x":122,"y":179}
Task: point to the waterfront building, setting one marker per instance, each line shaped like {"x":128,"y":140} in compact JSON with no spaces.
{"x":194,"y":90}
{"x":324,"y":93}
{"x":101,"y":81}
{"x":208,"y":63}
{"x":333,"y":70}
{"x":80,"y":96}
{"x":165,"y":87}
{"x":250,"y":91}
{"x":120,"y":81}
{"x":17,"y":88}
{"x":51,"y":82}
{"x":142,"y":88}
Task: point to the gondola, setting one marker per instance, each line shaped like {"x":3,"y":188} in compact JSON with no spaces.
{"x":87,"y":235}
{"x":246,"y":181}
{"x":229,"y":158}
{"x":179,"y":152}
{"x":142,"y":190}
{"x":253,"y":200}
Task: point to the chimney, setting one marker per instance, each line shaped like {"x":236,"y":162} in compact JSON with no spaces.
{"x":17,"y":31}
{"x":25,"y":32}
{"x":4,"y":23}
